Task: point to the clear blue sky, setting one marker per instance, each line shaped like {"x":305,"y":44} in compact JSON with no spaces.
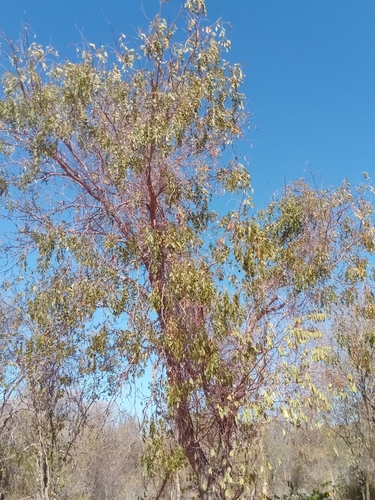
{"x":310,"y":69}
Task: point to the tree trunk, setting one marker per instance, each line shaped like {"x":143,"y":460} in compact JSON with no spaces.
{"x":367,"y":485}
{"x":264,"y":462}
{"x":178,"y":487}
{"x":44,"y":478}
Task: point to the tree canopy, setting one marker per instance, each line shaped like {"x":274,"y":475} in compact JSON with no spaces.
{"x":114,"y":172}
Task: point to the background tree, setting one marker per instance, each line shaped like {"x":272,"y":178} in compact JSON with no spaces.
{"x":114,"y":165}
{"x":306,"y":457}
{"x":56,"y":399}
{"x":352,"y":373}
{"x":54,"y":376}
{"x":10,"y":379}
{"x":107,"y":460}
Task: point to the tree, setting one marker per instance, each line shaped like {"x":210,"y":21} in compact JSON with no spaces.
{"x":53,"y":386}
{"x":51,"y":375}
{"x":353,"y":365}
{"x":10,"y":379}
{"x":56,"y":397}
{"x":113,"y":167}
{"x":108,"y":463}
{"x":305,"y":457}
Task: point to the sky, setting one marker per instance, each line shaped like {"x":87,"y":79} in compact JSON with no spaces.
{"x":310,"y":74}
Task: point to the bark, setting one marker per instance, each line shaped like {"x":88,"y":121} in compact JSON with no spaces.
{"x":367,"y":485}
{"x":178,"y":487}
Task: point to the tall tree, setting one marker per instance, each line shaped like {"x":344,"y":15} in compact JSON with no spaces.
{"x":113,"y":167}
